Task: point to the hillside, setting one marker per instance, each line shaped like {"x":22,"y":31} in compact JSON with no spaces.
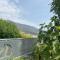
{"x":27,"y":29}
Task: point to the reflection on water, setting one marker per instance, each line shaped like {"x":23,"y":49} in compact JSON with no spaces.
{"x":8,"y":49}
{"x":5,"y":52}
{"x":15,"y":47}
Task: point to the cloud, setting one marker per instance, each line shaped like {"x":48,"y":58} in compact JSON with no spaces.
{"x":17,"y":1}
{"x":8,"y":10}
{"x":11,"y":10}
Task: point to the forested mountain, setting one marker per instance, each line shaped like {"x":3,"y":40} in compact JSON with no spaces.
{"x":27,"y":29}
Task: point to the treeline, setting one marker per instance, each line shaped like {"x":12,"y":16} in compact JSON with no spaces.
{"x":8,"y":30}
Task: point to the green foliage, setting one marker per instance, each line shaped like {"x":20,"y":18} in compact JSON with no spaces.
{"x":55,"y":7}
{"x":8,"y":30}
{"x":48,"y":46}
{"x":25,"y":35}
{"x":20,"y":58}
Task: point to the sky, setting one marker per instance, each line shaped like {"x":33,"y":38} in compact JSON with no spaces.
{"x":30,"y":12}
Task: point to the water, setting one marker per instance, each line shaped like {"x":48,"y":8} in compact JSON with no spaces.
{"x":15,"y":47}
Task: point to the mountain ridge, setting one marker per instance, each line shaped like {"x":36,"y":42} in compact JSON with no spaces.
{"x":26,"y":28}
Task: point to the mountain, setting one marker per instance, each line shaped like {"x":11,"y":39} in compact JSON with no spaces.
{"x":27,"y":29}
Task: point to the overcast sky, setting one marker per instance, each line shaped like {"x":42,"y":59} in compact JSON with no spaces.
{"x":30,"y":12}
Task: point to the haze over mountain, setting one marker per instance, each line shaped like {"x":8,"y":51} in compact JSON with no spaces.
{"x":26,"y":28}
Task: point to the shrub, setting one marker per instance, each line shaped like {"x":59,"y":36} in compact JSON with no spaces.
{"x":48,"y":46}
{"x":8,"y":30}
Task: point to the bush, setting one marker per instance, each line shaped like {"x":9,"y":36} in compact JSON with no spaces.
{"x":20,"y":58}
{"x":25,"y":35}
{"x":48,"y":46}
{"x":8,"y":30}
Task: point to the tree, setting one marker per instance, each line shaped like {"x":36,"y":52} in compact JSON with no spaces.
{"x":48,"y":46}
{"x":8,"y":30}
{"x":55,"y":7}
